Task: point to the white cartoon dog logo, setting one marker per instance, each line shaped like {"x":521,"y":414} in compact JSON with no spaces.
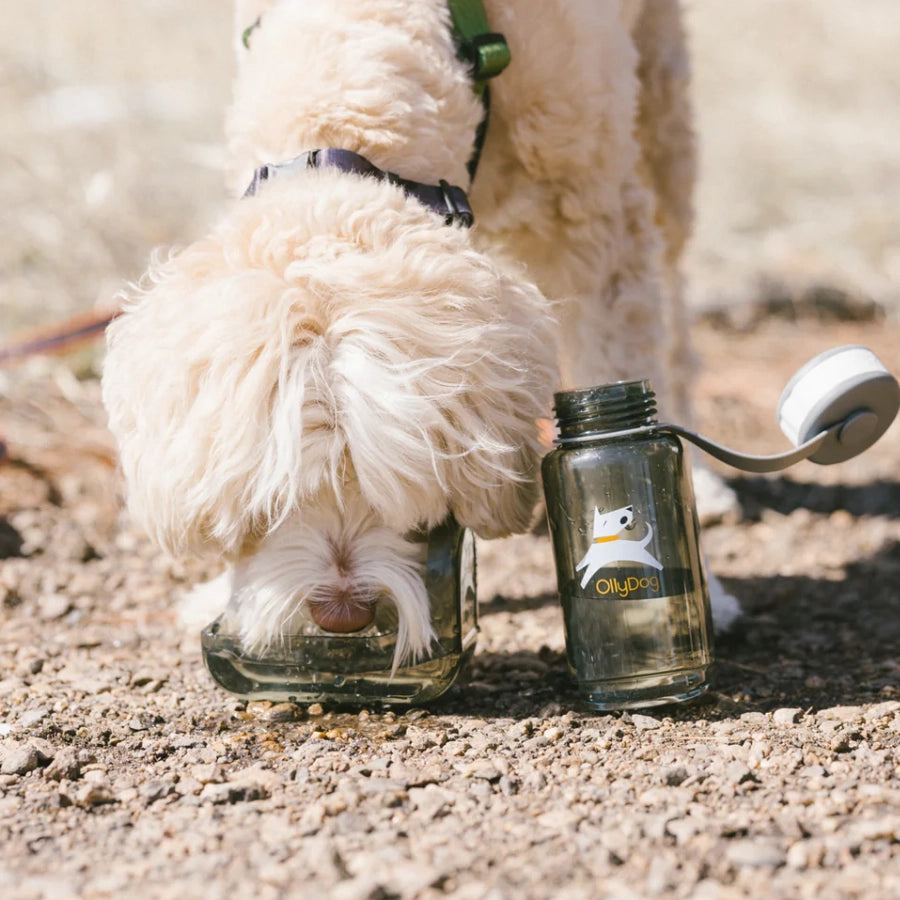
{"x":608,"y":547}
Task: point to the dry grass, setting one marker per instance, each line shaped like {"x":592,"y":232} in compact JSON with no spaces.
{"x":797,"y":117}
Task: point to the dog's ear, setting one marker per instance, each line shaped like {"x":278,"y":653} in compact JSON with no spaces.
{"x":207,"y":385}
{"x":495,"y":475}
{"x":438,"y":396}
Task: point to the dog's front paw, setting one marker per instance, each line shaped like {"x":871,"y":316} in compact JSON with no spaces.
{"x":204,"y":602}
{"x":725,"y":608}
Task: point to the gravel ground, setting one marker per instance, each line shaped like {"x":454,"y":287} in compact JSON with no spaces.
{"x":124,"y":771}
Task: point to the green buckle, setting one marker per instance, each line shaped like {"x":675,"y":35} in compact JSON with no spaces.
{"x":489,"y":55}
{"x":245,"y":34}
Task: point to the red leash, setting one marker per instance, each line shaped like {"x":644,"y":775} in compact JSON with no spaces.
{"x":58,"y":338}
{"x":61,"y":337}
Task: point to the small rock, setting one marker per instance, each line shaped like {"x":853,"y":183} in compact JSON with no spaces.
{"x":94,"y":795}
{"x":841,"y":713}
{"x":840,"y":743}
{"x":559,"y":819}
{"x":314,"y":709}
{"x":222,"y":793}
{"x":508,"y":786}
{"x":156,"y":790}
{"x":737,"y":773}
{"x":885,"y":829}
{"x":485,"y":771}
{"x":644,"y":723}
{"x":755,"y":854}
{"x":188,"y":785}
{"x":882,"y":710}
{"x":65,"y":766}
{"x":788,"y":715}
{"x":431,"y":801}
{"x":804,"y":854}
{"x":209,"y":773}
{"x":22,"y":760}
{"x":146,"y":678}
{"x":253,"y":783}
{"x":283,"y":712}
{"x":479,"y":788}
{"x":674,"y":775}
{"x":53,"y":606}
{"x":683,"y":829}
{"x":33,"y":717}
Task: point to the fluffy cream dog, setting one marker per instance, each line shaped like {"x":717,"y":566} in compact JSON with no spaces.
{"x":334,"y":366}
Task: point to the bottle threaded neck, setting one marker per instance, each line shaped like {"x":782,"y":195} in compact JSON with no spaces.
{"x":608,"y":407}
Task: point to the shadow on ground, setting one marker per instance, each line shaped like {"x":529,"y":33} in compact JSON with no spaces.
{"x":802,"y":642}
{"x":783,"y":495}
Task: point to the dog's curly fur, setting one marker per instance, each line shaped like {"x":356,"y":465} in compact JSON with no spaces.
{"x":333,"y":366}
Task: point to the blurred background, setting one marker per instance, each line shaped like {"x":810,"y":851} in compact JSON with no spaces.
{"x":112,"y":118}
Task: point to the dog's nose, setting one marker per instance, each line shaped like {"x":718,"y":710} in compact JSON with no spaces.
{"x":343,"y":613}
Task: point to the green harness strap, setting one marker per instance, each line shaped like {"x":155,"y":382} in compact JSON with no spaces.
{"x":488,"y":54}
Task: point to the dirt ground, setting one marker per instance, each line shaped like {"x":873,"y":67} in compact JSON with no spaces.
{"x":125,"y":771}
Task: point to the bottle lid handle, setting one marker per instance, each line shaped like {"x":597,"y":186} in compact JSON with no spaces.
{"x":834,"y":408}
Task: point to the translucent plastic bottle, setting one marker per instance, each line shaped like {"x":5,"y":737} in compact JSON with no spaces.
{"x":355,"y":669}
{"x":620,"y":507}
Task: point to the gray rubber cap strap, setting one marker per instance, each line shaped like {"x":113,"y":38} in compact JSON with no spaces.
{"x":834,"y":408}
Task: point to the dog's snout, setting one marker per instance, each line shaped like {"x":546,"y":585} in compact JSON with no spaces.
{"x":343,"y":613}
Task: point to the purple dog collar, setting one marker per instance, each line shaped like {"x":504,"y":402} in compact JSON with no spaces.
{"x":443,"y":198}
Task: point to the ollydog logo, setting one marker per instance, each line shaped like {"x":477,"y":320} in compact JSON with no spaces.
{"x":609,"y":547}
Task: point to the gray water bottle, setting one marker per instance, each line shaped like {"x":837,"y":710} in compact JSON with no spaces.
{"x":620,"y":507}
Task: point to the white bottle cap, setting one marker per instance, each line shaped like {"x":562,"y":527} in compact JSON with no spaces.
{"x":845,"y":384}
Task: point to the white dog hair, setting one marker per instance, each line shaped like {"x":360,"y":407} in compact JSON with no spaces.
{"x":333,"y":366}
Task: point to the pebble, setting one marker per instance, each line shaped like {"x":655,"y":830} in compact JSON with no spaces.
{"x":65,"y":765}
{"x":788,"y":715}
{"x":882,"y":710}
{"x":208,"y":773}
{"x":283,"y":712}
{"x":21,"y":760}
{"x":804,"y":854}
{"x":94,"y":795}
{"x":431,"y":800}
{"x":755,"y":853}
{"x":484,"y":770}
{"x":841,"y":713}
{"x":674,"y":775}
{"x":32,"y":717}
{"x":737,"y":773}
{"x":53,"y":606}
{"x":884,"y":829}
{"x":644,"y":723}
